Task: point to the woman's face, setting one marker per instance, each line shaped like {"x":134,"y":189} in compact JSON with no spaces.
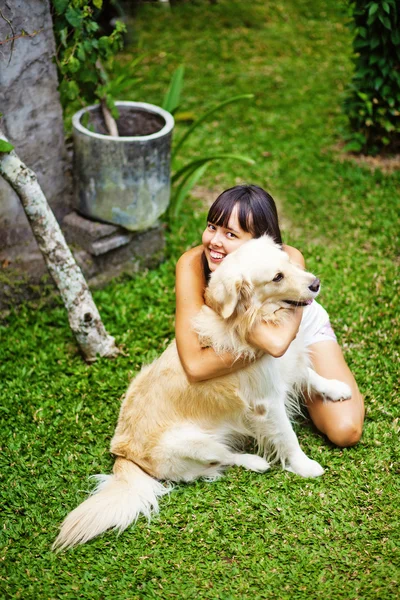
{"x":220,"y":241}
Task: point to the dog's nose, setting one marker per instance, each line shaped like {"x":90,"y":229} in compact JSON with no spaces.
{"x":314,"y":287}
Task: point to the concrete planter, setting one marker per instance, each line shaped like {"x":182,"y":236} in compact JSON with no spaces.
{"x":123,"y":180}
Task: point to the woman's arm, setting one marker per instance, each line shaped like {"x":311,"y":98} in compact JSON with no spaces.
{"x":276,"y":339}
{"x":198,"y":363}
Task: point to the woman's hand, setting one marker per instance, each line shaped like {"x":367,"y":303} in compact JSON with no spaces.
{"x":275,"y":339}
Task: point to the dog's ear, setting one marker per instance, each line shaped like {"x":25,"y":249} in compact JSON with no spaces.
{"x":223,"y":295}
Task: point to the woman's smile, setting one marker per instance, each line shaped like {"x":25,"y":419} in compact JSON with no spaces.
{"x":214,"y":255}
{"x":219,"y":241}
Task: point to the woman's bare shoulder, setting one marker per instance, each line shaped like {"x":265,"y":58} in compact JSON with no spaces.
{"x":190,"y":259}
{"x":294,"y":254}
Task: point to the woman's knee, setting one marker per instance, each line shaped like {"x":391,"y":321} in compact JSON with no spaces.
{"x":346,"y":433}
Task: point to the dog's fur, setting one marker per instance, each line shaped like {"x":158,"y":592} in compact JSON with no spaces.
{"x":170,"y":429}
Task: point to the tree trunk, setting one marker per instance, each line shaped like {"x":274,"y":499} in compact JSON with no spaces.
{"x":83,"y":316}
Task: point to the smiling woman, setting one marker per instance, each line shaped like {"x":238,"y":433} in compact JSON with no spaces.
{"x":238,"y":215}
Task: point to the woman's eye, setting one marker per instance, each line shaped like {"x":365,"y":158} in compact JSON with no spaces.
{"x":231,"y":235}
{"x":278,"y":277}
{"x":211,"y":227}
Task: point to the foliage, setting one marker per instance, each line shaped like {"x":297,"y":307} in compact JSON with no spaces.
{"x":187,"y":176}
{"x":5,"y":146}
{"x":247,"y":536}
{"x":83,"y":54}
{"x":373,"y":101}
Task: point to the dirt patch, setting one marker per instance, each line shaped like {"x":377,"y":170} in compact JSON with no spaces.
{"x":386,"y":164}
{"x":132,"y":122}
{"x":205,"y":195}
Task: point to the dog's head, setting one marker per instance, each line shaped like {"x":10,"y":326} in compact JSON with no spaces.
{"x":259,"y":274}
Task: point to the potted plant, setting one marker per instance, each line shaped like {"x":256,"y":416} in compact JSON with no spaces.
{"x":123,"y":179}
{"x":122,"y":149}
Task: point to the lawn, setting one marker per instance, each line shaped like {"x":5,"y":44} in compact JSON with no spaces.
{"x":246,"y":536}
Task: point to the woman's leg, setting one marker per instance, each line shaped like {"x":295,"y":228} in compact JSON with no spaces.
{"x":341,"y":422}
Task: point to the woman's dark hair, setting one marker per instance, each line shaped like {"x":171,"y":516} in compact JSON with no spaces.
{"x":256,"y":213}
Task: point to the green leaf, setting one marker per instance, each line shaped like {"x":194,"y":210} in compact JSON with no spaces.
{"x":92,"y":26}
{"x":60,"y":5}
{"x":186,"y":185}
{"x":194,"y":164}
{"x":395,"y":36}
{"x":385,"y":21}
{"x":373,"y":8}
{"x":80,"y":52}
{"x":5,"y":147}
{"x":63,"y":36}
{"x":73,"y":65}
{"x":74,"y":17}
{"x":98,"y":3}
{"x":172,"y":98}
{"x":362,"y":31}
{"x":208,"y":114}
{"x":73,"y":90}
{"x":374,"y":42}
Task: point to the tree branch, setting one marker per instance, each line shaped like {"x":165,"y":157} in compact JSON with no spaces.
{"x":83,"y":316}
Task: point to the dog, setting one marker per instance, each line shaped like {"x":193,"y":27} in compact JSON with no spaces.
{"x":173,"y":430}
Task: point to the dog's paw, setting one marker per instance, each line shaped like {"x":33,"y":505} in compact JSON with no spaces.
{"x":304,"y":466}
{"x":252,"y":462}
{"x":337,"y":390}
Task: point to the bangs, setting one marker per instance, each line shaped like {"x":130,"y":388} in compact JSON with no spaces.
{"x":256,"y":211}
{"x":221,"y":211}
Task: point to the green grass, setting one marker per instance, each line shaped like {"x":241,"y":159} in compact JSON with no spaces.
{"x":247,"y":536}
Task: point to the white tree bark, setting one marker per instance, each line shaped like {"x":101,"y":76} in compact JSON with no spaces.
{"x":83,"y":316}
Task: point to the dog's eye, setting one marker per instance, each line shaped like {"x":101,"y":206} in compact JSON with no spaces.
{"x":278,"y":277}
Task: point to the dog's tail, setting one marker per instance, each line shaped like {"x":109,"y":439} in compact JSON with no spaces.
{"x":117,"y":501}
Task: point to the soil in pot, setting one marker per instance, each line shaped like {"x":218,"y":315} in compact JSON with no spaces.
{"x":132,"y":122}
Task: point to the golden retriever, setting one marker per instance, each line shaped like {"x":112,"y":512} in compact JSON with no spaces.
{"x":170,"y":429}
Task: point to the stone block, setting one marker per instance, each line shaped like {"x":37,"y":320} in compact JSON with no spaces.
{"x":96,"y":238}
{"x":24,"y":275}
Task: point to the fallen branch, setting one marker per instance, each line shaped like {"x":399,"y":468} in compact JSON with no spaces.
{"x":83,"y":316}
{"x":110,"y":122}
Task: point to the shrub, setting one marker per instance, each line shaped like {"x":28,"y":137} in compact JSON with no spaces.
{"x":373,"y":101}
{"x":82,"y":53}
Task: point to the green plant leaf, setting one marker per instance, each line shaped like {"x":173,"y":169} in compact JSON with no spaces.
{"x":74,"y":16}
{"x":194,"y":164}
{"x":385,"y":21}
{"x":5,"y":146}
{"x":185,"y":186}
{"x":73,"y":65}
{"x":206,"y":116}
{"x":60,"y":5}
{"x":373,"y":8}
{"x":172,"y":98}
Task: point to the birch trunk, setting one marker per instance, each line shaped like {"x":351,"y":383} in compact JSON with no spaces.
{"x":83,"y":316}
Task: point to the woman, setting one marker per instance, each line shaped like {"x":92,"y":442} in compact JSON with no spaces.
{"x":238,"y":215}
